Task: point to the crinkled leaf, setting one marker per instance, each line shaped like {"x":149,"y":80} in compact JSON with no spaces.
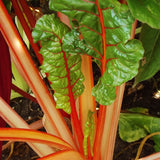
{"x":132,"y":127}
{"x":150,"y":63}
{"x":105,"y":27}
{"x":73,"y":44}
{"x":146,"y":11}
{"x":124,"y":63}
{"x":104,"y":93}
{"x":63,"y":68}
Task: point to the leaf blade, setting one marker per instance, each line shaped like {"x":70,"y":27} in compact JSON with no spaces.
{"x":146,"y":11}
{"x":63,"y":68}
{"x":149,"y":65}
{"x":133,"y":126}
{"x":109,"y":24}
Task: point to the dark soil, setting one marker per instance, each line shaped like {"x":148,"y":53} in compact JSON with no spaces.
{"x":21,"y":151}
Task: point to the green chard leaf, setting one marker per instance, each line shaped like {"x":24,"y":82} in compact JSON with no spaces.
{"x":146,"y":11}
{"x":133,"y":126}
{"x":150,"y":63}
{"x":105,"y":27}
{"x":88,"y":133}
{"x":19,"y":82}
{"x":63,"y":68}
{"x":8,"y":5}
{"x":130,"y":127}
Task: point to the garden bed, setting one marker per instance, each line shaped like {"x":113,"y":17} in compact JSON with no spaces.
{"x":140,"y":96}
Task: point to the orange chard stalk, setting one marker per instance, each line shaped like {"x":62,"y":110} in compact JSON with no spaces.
{"x":108,"y":115}
{"x":86,"y":101}
{"x":78,"y":127}
{"x":110,"y":125}
{"x":108,"y":121}
{"x":64,"y":155}
{"x":32,"y":76}
{"x":15,"y":121}
{"x":34,"y":137}
{"x":107,"y":126}
{"x":102,"y":109}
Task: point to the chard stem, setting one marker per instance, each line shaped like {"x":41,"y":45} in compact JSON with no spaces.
{"x":27,"y":68}
{"x":27,"y":25}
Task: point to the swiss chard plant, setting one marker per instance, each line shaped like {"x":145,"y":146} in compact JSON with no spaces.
{"x":85,"y":32}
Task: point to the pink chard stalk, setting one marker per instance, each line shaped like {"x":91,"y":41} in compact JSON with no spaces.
{"x":86,"y":31}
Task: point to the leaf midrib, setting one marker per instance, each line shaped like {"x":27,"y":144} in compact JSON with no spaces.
{"x":103,"y":35}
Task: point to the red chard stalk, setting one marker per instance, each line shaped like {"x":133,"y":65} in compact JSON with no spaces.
{"x":5,"y":75}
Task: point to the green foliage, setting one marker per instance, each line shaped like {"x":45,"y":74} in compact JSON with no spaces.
{"x":146,"y":11}
{"x":150,"y":63}
{"x":88,"y":133}
{"x":8,"y":5}
{"x":106,"y":28}
{"x":19,"y":82}
{"x":22,"y":32}
{"x":63,"y":68}
{"x":133,"y":126}
{"x":139,"y":110}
